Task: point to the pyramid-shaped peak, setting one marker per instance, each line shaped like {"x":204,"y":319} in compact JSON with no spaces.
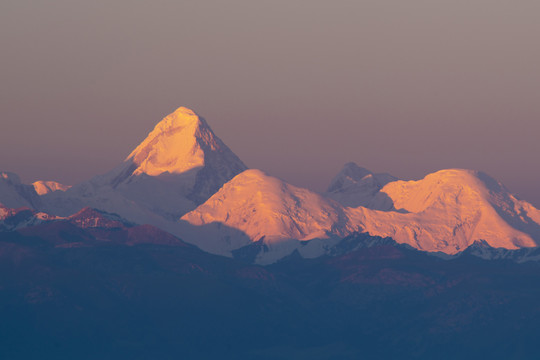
{"x":356,"y":186}
{"x":182,"y":110}
{"x":181,"y":147}
{"x":176,"y":144}
{"x":349,"y":175}
{"x":181,"y":117}
{"x":353,"y":170}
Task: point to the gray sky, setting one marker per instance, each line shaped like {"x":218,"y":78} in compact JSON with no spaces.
{"x":296,"y":88}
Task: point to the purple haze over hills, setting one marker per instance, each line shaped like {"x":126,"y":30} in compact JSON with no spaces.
{"x":295,"y":88}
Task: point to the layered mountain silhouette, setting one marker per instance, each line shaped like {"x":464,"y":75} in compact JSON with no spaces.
{"x":93,"y":286}
{"x":124,"y":265}
{"x":183,"y":179}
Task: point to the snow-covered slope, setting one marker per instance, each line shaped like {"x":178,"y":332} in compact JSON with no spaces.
{"x":185,"y":180}
{"x":45,"y":187}
{"x":14,"y":194}
{"x":446,"y":211}
{"x":356,"y":186}
{"x":183,"y":144}
{"x":180,"y":164}
{"x":451,"y":209}
{"x":255,"y":207}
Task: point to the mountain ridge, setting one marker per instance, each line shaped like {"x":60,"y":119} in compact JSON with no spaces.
{"x":183,"y":179}
{"x":447,"y":211}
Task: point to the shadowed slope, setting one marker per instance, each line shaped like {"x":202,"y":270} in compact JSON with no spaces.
{"x":356,"y":186}
{"x":14,"y":194}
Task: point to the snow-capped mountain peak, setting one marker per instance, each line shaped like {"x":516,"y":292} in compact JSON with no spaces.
{"x":451,"y":209}
{"x":174,"y":146}
{"x":182,"y":148}
{"x":350,"y":174}
{"x":180,"y":164}
{"x":357,"y":186}
{"x":441,"y":188}
{"x":184,"y":179}
{"x":46,"y":187}
{"x":254,"y":206}
{"x":446,"y":211}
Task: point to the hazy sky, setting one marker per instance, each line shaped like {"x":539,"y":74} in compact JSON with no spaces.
{"x":296,"y":88}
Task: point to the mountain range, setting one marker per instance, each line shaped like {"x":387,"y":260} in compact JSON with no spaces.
{"x":182,"y":252}
{"x":184,"y":180}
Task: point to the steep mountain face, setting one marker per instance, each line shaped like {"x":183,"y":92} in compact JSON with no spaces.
{"x":449,"y":210}
{"x":179,"y":165}
{"x":44,"y":187}
{"x":14,"y":194}
{"x":356,"y":186}
{"x":255,"y":207}
{"x":183,"y":144}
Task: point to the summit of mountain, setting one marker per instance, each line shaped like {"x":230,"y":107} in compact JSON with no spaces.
{"x":179,"y":165}
{"x":357,"y":186}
